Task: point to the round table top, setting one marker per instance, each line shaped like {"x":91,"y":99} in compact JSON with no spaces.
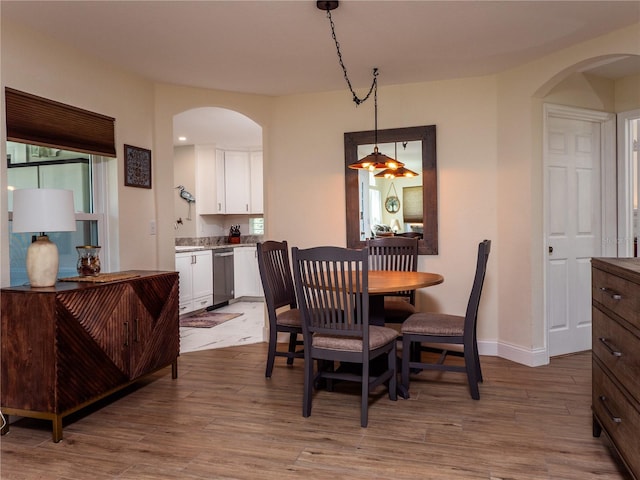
{"x":389,"y":281}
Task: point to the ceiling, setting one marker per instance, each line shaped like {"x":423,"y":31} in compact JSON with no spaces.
{"x":275,"y":47}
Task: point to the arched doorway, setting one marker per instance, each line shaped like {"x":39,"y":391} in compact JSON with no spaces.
{"x":581,"y":191}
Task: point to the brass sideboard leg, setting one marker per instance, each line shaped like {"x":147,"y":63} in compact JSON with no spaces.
{"x":174,"y":369}
{"x":57,"y":428}
{"x":5,"y":428}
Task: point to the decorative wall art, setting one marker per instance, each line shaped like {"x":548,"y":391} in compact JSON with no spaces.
{"x":137,"y":167}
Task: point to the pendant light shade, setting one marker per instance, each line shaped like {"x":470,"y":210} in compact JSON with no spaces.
{"x":397,"y":173}
{"x":376,"y":161}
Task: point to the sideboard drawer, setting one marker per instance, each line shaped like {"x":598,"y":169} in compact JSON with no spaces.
{"x":617,"y":348}
{"x":618,"y":295}
{"x":618,"y":416}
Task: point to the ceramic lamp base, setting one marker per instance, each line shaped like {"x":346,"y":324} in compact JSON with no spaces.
{"x":42,"y":262}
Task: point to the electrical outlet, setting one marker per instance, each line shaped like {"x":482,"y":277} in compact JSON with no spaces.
{"x":152,"y":227}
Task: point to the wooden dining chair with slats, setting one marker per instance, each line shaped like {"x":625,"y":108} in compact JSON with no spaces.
{"x":332,"y":290}
{"x":441,"y":328}
{"x":280,"y":299}
{"x":395,"y":253}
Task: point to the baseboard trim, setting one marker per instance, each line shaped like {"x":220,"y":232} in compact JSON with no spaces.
{"x":515,"y":353}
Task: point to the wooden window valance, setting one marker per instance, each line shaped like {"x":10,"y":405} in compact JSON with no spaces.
{"x":40,"y":121}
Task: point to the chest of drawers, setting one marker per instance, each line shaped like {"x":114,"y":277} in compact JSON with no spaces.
{"x":616,"y":355}
{"x":67,"y":346}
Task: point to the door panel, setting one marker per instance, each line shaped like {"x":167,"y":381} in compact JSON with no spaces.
{"x":573,"y":163}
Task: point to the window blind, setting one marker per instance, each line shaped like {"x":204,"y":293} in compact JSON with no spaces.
{"x":412,"y":209}
{"x":40,"y":121}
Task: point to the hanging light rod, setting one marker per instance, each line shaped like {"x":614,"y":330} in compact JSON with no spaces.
{"x":375,"y":160}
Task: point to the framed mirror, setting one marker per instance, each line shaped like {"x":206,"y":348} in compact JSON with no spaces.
{"x":366,"y":209}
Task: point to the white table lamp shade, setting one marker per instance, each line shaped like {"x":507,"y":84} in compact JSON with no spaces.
{"x":43,"y":210}
{"x":395,"y":225}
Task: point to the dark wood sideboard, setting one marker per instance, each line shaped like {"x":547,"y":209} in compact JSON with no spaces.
{"x":67,"y":346}
{"x":616,"y":355}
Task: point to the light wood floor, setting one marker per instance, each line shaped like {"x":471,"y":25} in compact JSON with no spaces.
{"x":221,"y":419}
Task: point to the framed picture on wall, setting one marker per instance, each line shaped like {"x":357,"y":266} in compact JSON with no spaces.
{"x":137,"y":167}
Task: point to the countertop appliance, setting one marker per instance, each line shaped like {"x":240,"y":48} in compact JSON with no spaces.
{"x":222,"y":276}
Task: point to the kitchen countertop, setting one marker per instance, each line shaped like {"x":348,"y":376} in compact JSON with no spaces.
{"x":196,"y":248}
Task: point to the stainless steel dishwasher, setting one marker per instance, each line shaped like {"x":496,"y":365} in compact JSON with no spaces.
{"x":222,"y":277}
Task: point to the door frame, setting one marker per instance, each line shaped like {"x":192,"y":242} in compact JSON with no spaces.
{"x":625,"y":184}
{"x":608,"y":186}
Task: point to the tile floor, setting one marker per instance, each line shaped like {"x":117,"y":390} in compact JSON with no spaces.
{"x":242,"y":330}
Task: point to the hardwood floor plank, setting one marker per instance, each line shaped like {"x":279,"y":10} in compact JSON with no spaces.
{"x":222,"y":419}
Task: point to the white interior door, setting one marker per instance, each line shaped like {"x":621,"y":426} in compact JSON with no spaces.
{"x":573,"y":228}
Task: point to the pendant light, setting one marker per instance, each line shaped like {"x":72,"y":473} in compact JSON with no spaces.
{"x":399,"y":172}
{"x":375,"y":160}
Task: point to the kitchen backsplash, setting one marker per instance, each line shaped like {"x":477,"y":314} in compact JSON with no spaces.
{"x":214,"y":241}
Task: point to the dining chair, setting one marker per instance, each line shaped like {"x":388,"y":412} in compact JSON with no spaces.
{"x":280,"y":299}
{"x":331,"y":285}
{"x":395,"y":253}
{"x":442,"y":328}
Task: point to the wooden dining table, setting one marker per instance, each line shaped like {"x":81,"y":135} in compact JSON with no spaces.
{"x":387,"y":282}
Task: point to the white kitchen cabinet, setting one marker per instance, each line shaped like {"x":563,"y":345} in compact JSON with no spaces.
{"x":246,"y":281}
{"x":228,"y":182}
{"x":208,"y":190}
{"x":257,"y":203}
{"x":237,"y":182}
{"x":196,"y":280}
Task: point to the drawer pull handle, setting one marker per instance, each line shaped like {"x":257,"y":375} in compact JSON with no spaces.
{"x":612,"y":293}
{"x":613,"y":351}
{"x":614,"y":418}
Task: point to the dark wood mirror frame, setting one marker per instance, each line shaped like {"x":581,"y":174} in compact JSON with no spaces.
{"x":427,"y":134}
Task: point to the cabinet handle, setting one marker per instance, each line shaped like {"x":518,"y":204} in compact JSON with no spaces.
{"x":612,"y":293}
{"x":614,"y":418}
{"x":126,"y":334}
{"x":612,"y":350}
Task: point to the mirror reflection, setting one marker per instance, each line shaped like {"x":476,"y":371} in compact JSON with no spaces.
{"x":383,"y":206}
{"x":391,"y":206}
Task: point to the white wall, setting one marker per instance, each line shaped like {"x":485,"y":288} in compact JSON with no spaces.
{"x":184,"y":173}
{"x":489,"y":166}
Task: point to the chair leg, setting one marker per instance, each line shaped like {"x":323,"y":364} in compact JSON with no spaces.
{"x":476,"y":357}
{"x":406,"y":358}
{"x":293,"y":337}
{"x":392,"y":361}
{"x":308,"y":386}
{"x":271,"y":354}
{"x":472,"y":373}
{"x":364,"y":400}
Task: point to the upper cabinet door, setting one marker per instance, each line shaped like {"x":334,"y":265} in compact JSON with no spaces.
{"x":237,"y":182}
{"x":257,"y":204}
{"x":207,"y":188}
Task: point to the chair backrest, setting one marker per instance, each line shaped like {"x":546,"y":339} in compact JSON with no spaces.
{"x":275,"y":274}
{"x":332,"y":288}
{"x":393,"y":253}
{"x":471,"y":316}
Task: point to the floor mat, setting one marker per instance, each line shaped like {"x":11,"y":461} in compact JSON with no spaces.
{"x":207,"y":319}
